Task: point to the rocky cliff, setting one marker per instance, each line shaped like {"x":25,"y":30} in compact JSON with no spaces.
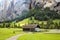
{"x":11,"y":9}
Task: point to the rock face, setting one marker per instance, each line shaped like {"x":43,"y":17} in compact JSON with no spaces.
{"x":11,"y":9}
{"x":52,"y":4}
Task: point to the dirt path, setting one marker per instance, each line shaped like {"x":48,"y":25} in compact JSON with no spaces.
{"x":14,"y":37}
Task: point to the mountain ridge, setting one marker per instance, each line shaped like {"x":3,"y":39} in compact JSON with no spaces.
{"x":13,"y":9}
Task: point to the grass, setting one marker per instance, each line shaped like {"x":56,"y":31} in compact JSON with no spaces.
{"x":25,"y":21}
{"x":40,"y":36}
{"x":8,"y":32}
{"x":57,"y":20}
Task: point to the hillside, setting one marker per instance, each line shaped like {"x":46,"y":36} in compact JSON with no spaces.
{"x":27,"y":21}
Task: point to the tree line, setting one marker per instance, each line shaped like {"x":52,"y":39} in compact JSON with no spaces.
{"x":9,"y":25}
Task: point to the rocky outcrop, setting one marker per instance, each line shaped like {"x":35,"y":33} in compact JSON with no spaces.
{"x":11,"y":9}
{"x":52,"y":4}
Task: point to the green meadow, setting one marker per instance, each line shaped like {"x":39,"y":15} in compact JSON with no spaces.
{"x":27,"y":21}
{"x":8,"y":32}
{"x":40,"y":36}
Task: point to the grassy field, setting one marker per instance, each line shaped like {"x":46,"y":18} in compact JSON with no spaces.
{"x":8,"y":32}
{"x":26,"y":21}
{"x":57,"y":20}
{"x":40,"y":36}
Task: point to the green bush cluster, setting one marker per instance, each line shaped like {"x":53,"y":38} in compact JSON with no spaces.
{"x":50,"y":25}
{"x":9,"y":25}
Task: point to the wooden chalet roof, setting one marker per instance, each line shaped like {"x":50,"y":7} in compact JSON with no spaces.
{"x":30,"y":26}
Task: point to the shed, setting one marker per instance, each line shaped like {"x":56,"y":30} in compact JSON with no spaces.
{"x":31,"y":27}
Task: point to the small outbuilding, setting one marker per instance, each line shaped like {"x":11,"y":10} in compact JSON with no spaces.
{"x":31,"y":28}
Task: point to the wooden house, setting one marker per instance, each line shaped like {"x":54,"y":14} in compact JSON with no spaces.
{"x":31,"y":27}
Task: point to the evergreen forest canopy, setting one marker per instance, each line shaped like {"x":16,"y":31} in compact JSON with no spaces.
{"x":42,"y":14}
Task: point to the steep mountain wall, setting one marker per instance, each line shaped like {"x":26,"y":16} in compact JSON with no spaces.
{"x":11,"y":9}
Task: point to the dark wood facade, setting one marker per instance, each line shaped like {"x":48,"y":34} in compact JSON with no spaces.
{"x":30,"y":27}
